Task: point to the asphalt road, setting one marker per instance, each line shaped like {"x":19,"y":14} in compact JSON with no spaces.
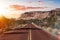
{"x":30,"y":34}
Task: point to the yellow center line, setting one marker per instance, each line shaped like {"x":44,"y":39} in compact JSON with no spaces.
{"x":29,"y":35}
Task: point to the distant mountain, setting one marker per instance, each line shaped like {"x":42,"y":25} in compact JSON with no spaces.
{"x":38,"y":14}
{"x":57,"y":9}
{"x":34,"y":15}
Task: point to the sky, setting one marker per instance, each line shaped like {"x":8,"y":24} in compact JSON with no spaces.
{"x":13,"y":8}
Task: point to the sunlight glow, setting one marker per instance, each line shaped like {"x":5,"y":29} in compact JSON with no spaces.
{"x":2,"y":9}
{"x":6,"y":11}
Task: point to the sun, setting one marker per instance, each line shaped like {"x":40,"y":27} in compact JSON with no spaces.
{"x":2,"y":9}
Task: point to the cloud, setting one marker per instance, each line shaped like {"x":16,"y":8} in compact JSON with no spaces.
{"x":40,"y":2}
{"x":18,"y":7}
{"x":21,"y":7}
{"x":35,"y":7}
